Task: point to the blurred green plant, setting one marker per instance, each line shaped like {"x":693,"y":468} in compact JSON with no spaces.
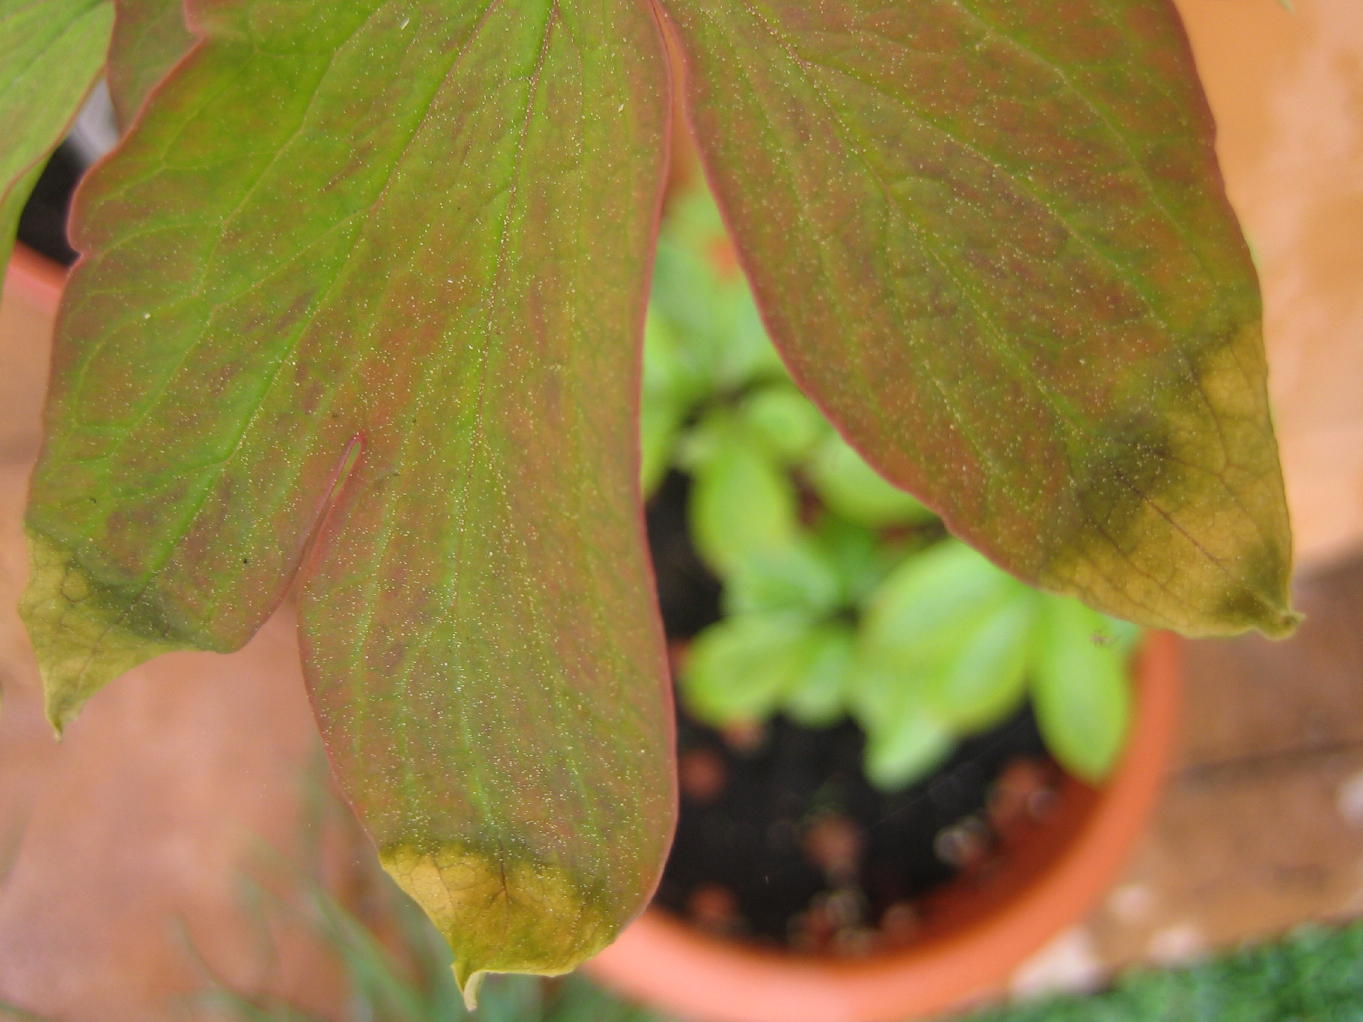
{"x":386,"y":987}
{"x":395,"y":964}
{"x":842,"y":595}
{"x":13,"y":1013}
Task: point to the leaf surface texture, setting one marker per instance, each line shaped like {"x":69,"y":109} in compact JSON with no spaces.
{"x":149,"y":37}
{"x":991,"y":241}
{"x":365,"y":283}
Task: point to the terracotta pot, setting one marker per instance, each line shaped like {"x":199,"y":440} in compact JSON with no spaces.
{"x":34,"y":286}
{"x":974,"y":932}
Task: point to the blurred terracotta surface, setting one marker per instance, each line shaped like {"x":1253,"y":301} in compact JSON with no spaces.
{"x":1251,"y":698}
{"x":1287,"y":92}
{"x":126,"y":845}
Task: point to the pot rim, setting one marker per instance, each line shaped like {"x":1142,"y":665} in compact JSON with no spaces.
{"x":37,"y":278}
{"x":1048,"y":884}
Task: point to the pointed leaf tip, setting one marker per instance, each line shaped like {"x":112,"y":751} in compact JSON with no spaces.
{"x":500,"y":914}
{"x":81,"y":637}
{"x":1283,"y":624}
{"x":1258,"y":593}
{"x":1279,"y":623}
{"x":469,"y":988}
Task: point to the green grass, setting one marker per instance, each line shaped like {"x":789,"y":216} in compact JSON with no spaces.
{"x":1315,"y":975}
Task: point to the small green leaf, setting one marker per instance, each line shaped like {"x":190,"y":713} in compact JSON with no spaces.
{"x":1121,"y":636}
{"x":925,"y":600}
{"x":707,"y":302}
{"x":818,"y":695}
{"x":905,"y":748}
{"x":671,"y":372}
{"x":706,"y":437}
{"x":856,"y":491}
{"x":51,"y":52}
{"x":982,"y":675}
{"x":742,"y":503}
{"x":942,"y":650}
{"x":784,"y":421}
{"x":860,"y":557}
{"x":1080,"y":689}
{"x":740,"y":668}
{"x":792,"y":577}
{"x":752,"y":358}
{"x":682,"y":315}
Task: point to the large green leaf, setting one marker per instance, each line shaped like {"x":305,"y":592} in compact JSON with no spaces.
{"x":50,"y":54}
{"x":366,"y":280}
{"x":743,"y":504}
{"x":796,"y":577}
{"x":990,"y":238}
{"x":818,"y":695}
{"x":953,"y":630}
{"x":149,"y":37}
{"x":739,"y":669}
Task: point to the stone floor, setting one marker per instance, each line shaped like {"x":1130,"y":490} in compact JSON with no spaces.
{"x":1260,"y":827}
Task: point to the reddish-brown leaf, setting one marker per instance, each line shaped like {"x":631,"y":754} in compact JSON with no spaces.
{"x":990,"y":238}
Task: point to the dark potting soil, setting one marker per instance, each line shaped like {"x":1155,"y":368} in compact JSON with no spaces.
{"x":688,"y":594}
{"x":783,"y":841}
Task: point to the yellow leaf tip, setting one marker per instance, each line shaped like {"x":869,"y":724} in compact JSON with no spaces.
{"x":469,"y":985}
{"x":1283,"y":625}
{"x":501,"y":913}
{"x":57,"y":712}
{"x":81,"y":637}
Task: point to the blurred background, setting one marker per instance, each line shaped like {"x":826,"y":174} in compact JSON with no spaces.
{"x":182,"y":854}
